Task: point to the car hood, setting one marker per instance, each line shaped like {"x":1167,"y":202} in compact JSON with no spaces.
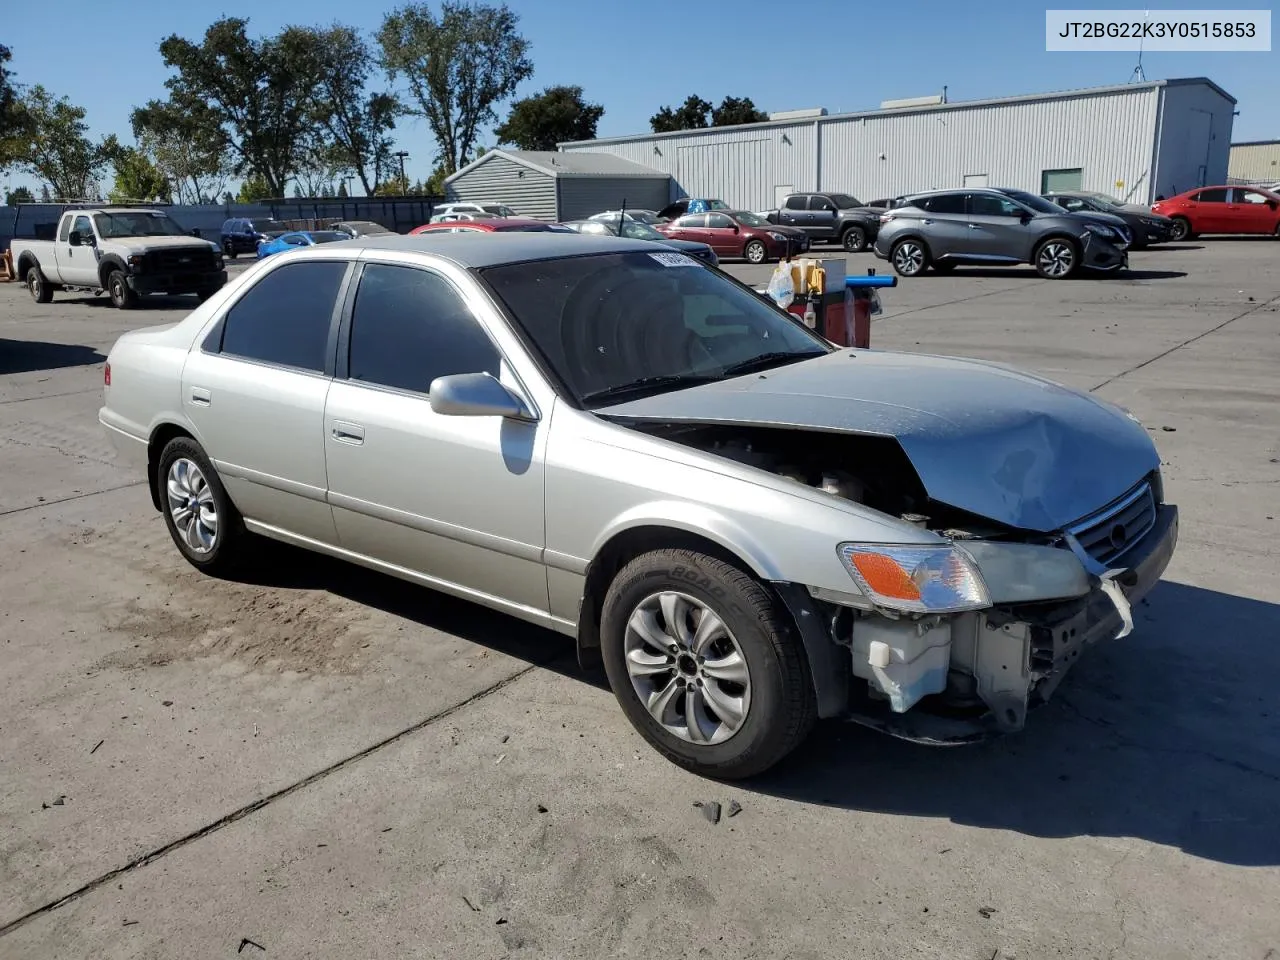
{"x":1097,"y":216}
{"x":997,"y":442}
{"x":145,"y":244}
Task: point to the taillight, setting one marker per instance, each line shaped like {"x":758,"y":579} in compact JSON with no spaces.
{"x":106,"y":374}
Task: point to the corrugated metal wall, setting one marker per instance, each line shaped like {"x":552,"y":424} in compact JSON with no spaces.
{"x":1109,"y":136}
{"x":528,"y":192}
{"x":1255,"y":161}
{"x":580,"y":197}
{"x":1194,"y":141}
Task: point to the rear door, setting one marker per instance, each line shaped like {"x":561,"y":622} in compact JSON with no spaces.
{"x":944,"y":224}
{"x":692,"y":226}
{"x":255,"y":390}
{"x":456,"y":499}
{"x":995,"y":228}
{"x":1208,"y":211}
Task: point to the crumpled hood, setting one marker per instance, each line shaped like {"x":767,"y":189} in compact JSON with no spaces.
{"x":146,"y":244}
{"x":1000,"y":443}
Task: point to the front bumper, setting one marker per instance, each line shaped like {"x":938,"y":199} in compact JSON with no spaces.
{"x":980,"y":673}
{"x":144,"y":283}
{"x":1101,"y":255}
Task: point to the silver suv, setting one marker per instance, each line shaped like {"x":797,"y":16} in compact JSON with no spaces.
{"x":946,"y":228}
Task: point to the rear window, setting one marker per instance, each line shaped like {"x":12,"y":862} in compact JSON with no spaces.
{"x":942,"y":203}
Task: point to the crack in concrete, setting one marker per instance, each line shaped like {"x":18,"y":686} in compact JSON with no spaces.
{"x":262,"y":802}
{"x":78,"y":496}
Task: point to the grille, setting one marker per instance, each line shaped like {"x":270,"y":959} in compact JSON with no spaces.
{"x":1108,"y":534}
{"x":192,"y":260}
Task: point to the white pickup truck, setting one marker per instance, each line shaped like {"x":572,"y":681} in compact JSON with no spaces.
{"x":125,"y":251}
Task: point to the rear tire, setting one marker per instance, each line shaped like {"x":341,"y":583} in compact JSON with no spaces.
{"x":744,"y":678}
{"x":854,"y":240}
{"x":205,"y":525}
{"x":755,"y":252}
{"x":38,"y":286}
{"x":909,"y":257}
{"x":122,"y":296}
{"x":1181,"y":230}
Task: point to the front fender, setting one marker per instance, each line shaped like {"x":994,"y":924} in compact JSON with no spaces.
{"x":109,"y":262}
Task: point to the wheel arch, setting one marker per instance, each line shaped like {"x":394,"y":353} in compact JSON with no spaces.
{"x":26,"y":260}
{"x":161,"y":434}
{"x":108,"y":263}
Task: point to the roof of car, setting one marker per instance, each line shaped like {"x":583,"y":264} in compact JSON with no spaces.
{"x":489,"y":249}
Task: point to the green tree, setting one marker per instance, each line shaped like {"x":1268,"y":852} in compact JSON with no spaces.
{"x":9,"y":119}
{"x":187,"y":146}
{"x":554,"y":116}
{"x":50,"y":143}
{"x":355,"y":124}
{"x":136,"y":177}
{"x":342,"y":190}
{"x":458,"y":66}
{"x":736,"y":110}
{"x":393,"y":186}
{"x":434,"y":187}
{"x":18,"y":195}
{"x":254,"y":189}
{"x":690,"y":115}
{"x":261,"y":93}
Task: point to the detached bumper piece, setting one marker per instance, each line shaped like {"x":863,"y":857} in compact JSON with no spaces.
{"x":953,"y":680}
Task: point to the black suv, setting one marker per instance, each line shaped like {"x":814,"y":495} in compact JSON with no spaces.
{"x":243,"y":234}
{"x":830,"y":217}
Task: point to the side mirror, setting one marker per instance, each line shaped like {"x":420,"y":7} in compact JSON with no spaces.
{"x":74,"y":238}
{"x":195,"y":232}
{"x":475,"y":395}
{"x":736,"y":229}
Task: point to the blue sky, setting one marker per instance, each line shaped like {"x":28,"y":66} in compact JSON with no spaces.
{"x":635,"y":57}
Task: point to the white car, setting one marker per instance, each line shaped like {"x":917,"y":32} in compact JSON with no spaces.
{"x":447,"y":211}
{"x":640,"y":216}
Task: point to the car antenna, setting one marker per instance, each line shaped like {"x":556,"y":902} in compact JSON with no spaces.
{"x":622,"y":215}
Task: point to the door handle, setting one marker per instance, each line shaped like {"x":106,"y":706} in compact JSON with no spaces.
{"x":926,"y":220}
{"x":345,"y":432}
{"x":973,"y":226}
{"x":200,"y":396}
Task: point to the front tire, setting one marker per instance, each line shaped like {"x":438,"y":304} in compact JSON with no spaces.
{"x":38,"y":286}
{"x":854,"y":240}
{"x":706,"y":664}
{"x":122,"y":296}
{"x":1056,"y":258}
{"x":909,"y":258}
{"x":755,"y":252}
{"x":229,"y":250}
{"x":205,"y":525}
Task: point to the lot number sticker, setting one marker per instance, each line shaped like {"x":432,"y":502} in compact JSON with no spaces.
{"x":674,"y":260}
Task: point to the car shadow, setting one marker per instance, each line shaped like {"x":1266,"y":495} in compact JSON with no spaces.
{"x":1142,"y":275}
{"x":28,"y":356}
{"x":1175,"y":247}
{"x":1238,"y":238}
{"x":1147,"y":738}
{"x":151,"y":302}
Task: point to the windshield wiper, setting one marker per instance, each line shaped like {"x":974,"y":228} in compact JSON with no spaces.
{"x":766,"y":360}
{"x":646,"y":383}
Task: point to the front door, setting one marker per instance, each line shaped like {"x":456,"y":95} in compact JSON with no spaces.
{"x":79,"y":265}
{"x":822,"y":218}
{"x":255,"y":392}
{"x":995,"y":227}
{"x":1248,"y":212}
{"x":724,"y":235}
{"x":457,"y":499}
{"x":795,"y":212}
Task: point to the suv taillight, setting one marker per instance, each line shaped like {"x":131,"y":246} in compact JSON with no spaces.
{"x":106,"y":374}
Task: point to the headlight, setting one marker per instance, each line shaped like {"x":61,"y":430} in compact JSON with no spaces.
{"x":135,"y":260}
{"x":1100,"y":230}
{"x":780,"y":237}
{"x":915,"y":579}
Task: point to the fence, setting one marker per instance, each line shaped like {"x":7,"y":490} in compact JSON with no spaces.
{"x":401,"y":214}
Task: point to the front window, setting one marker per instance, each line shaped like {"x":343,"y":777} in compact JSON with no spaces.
{"x":751,"y":220}
{"x":621,"y":325}
{"x":845,"y":202}
{"x":1039,"y":204}
{"x":140,"y":224}
{"x":1103,"y":202}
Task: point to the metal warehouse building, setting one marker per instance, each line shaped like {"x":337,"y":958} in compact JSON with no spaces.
{"x":559,"y":186}
{"x":1134,"y":141}
{"x":1255,"y":162}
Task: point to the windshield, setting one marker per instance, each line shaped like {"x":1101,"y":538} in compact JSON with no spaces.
{"x":632,"y":229}
{"x":367,"y":227}
{"x":604,"y":321}
{"x":141,"y":224}
{"x":751,"y":220}
{"x":1102,"y":200}
{"x":327,"y":236}
{"x":844,"y":201}
{"x":1031,"y":200}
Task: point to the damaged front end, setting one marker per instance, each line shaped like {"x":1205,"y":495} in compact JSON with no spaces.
{"x":953,"y":642}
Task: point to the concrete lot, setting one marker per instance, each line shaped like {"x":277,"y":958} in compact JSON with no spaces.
{"x":331,"y":763}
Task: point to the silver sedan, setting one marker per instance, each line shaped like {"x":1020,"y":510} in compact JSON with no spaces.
{"x":749,"y":527}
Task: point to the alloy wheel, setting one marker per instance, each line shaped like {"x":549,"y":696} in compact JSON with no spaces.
{"x":191,"y":505}
{"x":908,"y":258}
{"x":756,"y":252}
{"x":687,"y":668}
{"x":1179,"y":229}
{"x":1056,"y":258}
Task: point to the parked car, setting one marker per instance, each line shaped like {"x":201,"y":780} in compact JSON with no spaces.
{"x":360,"y":228}
{"x":946,"y":228}
{"x":297,"y":239}
{"x":127,"y":252}
{"x":243,"y":234}
{"x":635,"y":230}
{"x":690,"y":205}
{"x":491,"y":225}
{"x":1146,"y":227}
{"x":829,"y":218}
{"x":738,"y":233}
{"x":1222,"y":210}
{"x":491,"y":207}
{"x":643,"y":216}
{"x":750,"y":527}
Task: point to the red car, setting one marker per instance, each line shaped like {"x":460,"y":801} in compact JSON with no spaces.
{"x":737,"y":233}
{"x":1221,"y":210}
{"x":495,"y":225}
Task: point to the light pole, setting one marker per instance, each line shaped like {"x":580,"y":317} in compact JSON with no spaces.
{"x":404,"y":184}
